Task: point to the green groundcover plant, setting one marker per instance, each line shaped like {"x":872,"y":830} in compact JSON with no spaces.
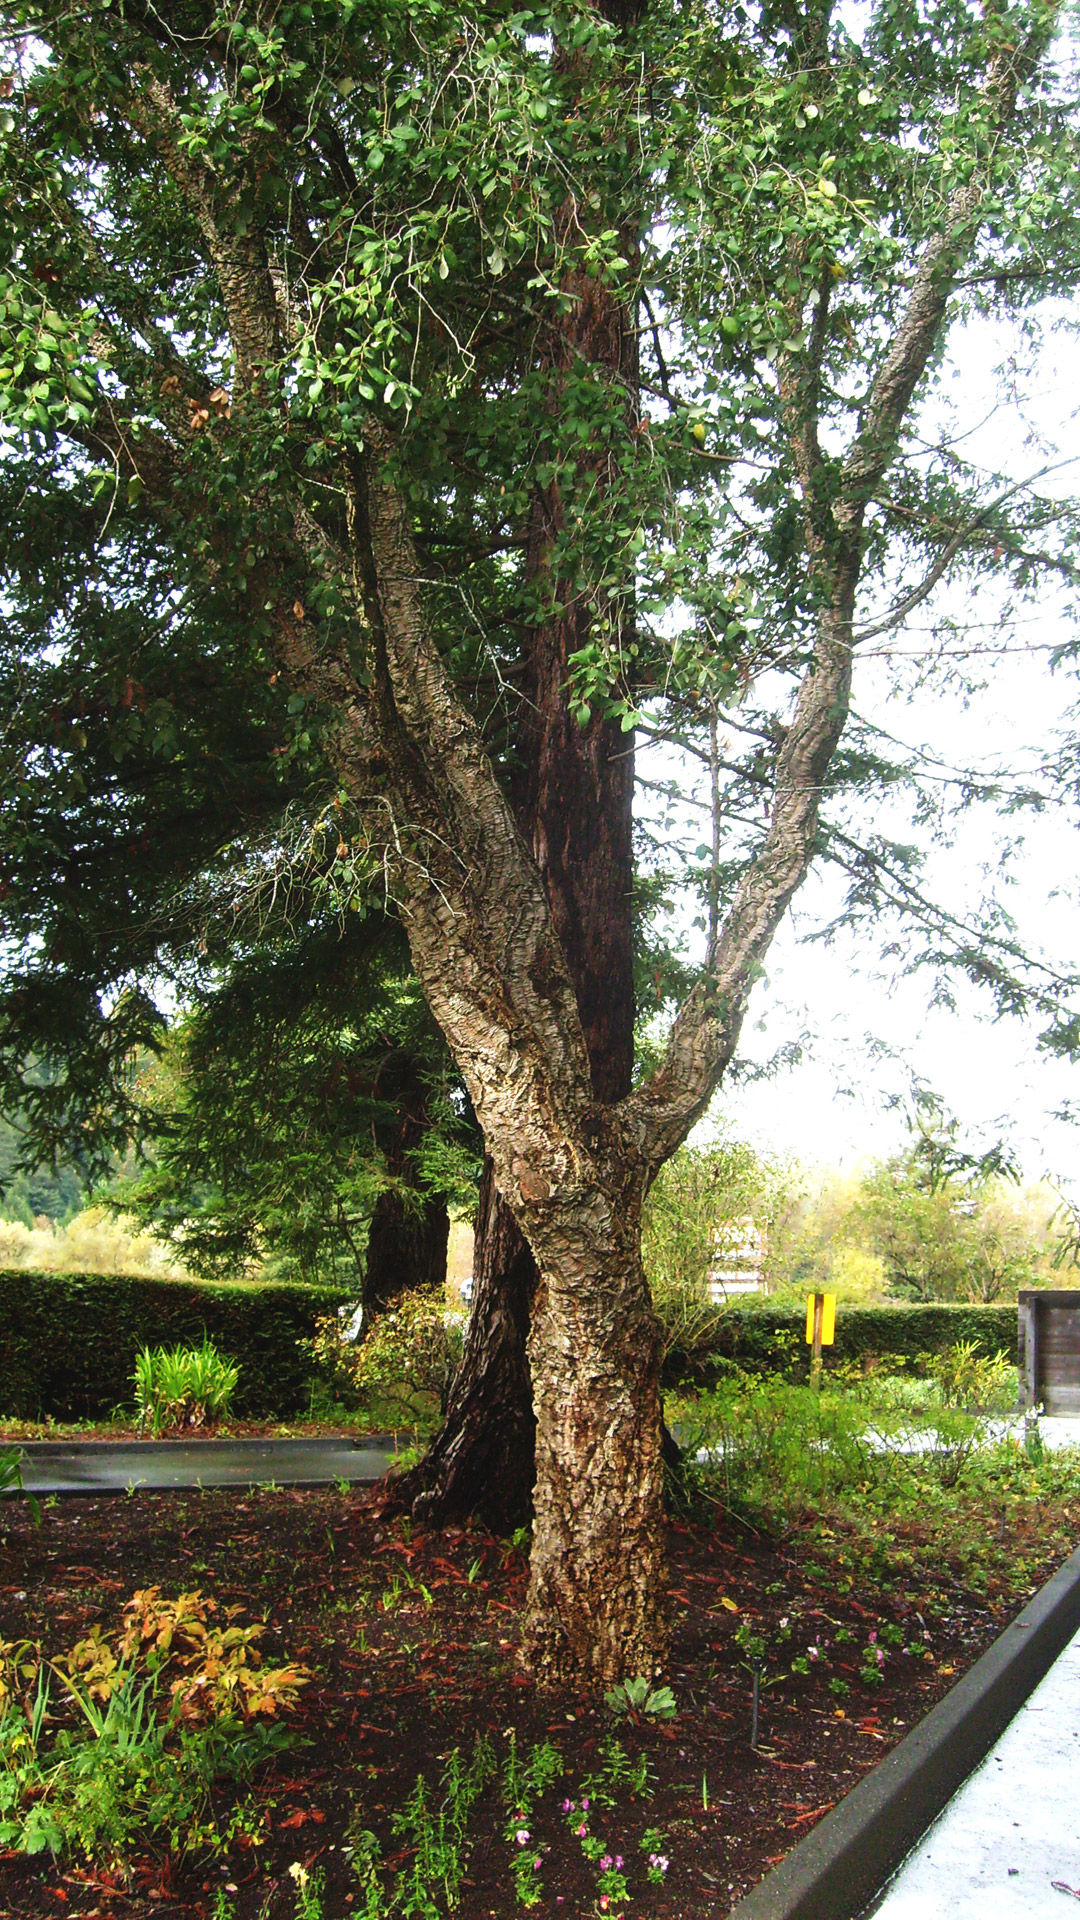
{"x":869,"y":1449}
{"x":123,"y":1737}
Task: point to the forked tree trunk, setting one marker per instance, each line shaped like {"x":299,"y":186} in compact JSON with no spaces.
{"x":484,"y":936}
{"x":578,"y":787}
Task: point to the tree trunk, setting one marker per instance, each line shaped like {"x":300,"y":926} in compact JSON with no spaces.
{"x":482,"y":1460}
{"x":573,"y":800}
{"x":596,"y":1611}
{"x":406,"y":1248}
{"x":408,"y":1237}
{"x":574,"y":807}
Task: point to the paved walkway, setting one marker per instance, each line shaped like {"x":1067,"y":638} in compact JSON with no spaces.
{"x":1013,"y":1829}
{"x":112,"y":1466}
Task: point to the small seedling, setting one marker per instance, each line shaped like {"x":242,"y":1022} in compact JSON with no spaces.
{"x":309,"y":1887}
{"x":641,"y":1697}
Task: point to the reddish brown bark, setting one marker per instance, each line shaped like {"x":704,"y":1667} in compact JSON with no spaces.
{"x":482,"y":1461}
{"x":573,"y":799}
{"x":406,"y":1247}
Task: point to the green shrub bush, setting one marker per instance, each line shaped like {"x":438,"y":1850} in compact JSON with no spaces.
{"x":765,"y":1338}
{"x":68,"y":1342}
{"x":401,"y":1370}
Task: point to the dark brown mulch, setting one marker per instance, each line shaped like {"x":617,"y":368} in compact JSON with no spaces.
{"x":412,"y":1640}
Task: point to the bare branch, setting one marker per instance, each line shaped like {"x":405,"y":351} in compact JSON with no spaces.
{"x":922,"y":592}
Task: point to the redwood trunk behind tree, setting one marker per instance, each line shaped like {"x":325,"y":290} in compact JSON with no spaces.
{"x":573,"y":800}
{"x":482,"y":1460}
{"x":406,"y":1248}
{"x":409,"y":1234}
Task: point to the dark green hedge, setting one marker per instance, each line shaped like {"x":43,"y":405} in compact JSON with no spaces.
{"x":759,"y":1337}
{"x":68,"y":1341}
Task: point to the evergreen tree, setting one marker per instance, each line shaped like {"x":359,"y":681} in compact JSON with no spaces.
{"x":332,"y":507}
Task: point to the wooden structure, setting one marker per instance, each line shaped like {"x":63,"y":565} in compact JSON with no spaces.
{"x":738,"y":1261}
{"x":1048,"y":1348}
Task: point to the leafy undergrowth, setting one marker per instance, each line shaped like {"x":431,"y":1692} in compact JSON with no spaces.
{"x":433,"y":1782}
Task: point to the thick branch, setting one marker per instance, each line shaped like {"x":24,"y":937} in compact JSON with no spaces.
{"x":474,"y":907}
{"x":705,"y":1035}
{"x":239,"y":258}
{"x":913,"y":343}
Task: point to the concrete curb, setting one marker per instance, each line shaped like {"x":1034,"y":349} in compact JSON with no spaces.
{"x":118,"y":1466}
{"x":837,"y":1870}
{"x":340,"y":1442}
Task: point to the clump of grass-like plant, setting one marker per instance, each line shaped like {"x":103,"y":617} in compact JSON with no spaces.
{"x":183,"y":1387}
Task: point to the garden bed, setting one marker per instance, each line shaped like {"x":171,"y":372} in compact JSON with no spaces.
{"x":411,"y":1640}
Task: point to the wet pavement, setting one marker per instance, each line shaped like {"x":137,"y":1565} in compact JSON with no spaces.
{"x":1007,"y":1846}
{"x":114,"y":1466}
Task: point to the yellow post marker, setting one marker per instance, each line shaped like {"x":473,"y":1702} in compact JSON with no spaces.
{"x":820,"y":1329}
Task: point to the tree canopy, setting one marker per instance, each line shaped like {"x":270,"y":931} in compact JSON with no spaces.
{"x":297,"y":1109}
{"x":343,"y":347}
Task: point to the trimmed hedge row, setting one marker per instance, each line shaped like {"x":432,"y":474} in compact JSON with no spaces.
{"x":68,"y":1341}
{"x":774,"y":1338}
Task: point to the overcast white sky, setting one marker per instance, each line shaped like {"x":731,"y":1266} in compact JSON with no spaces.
{"x":832,"y":1109}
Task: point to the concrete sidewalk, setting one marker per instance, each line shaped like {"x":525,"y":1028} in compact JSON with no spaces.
{"x":1013,"y":1829}
{"x":112,"y":1466}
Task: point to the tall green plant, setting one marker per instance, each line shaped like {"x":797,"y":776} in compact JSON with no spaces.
{"x":189,"y":1387}
{"x":11,"y":1459}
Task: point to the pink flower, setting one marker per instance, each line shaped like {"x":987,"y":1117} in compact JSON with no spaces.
{"x":537,"y":1864}
{"x":584,"y":1806}
{"x":605,"y":1863}
{"x":581,"y":1831}
{"x":604,"y":1901}
{"x":568,"y":1806}
{"x":521,"y":1836}
{"x":618,"y":1860}
{"x":871,"y":1637}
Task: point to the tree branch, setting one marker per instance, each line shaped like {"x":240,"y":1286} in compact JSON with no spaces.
{"x":922,"y":592}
